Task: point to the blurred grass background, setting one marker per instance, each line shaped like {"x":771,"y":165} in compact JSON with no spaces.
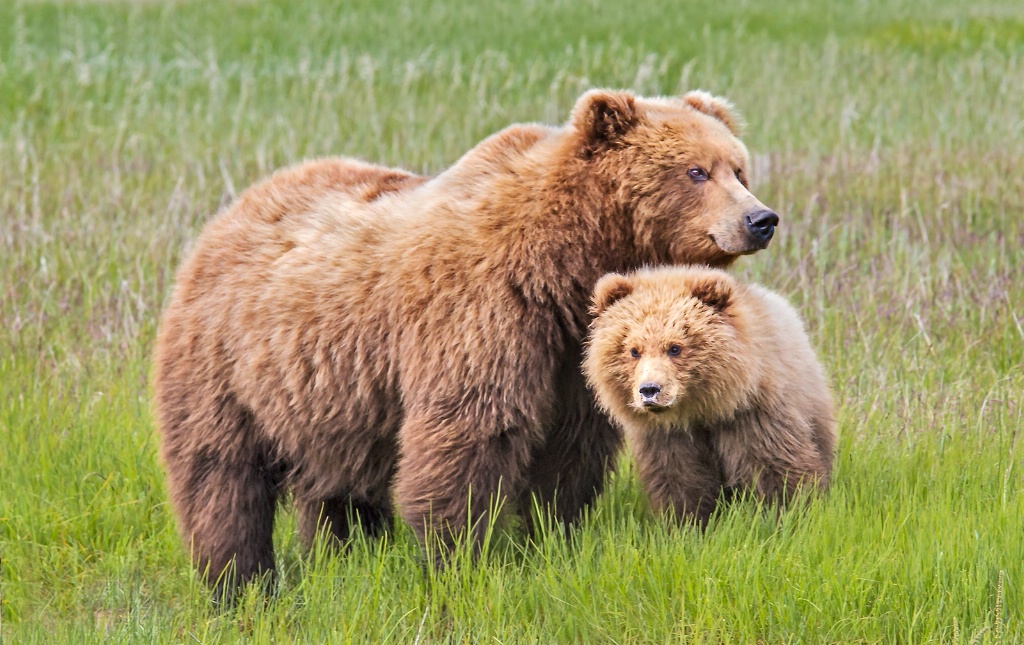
{"x":888,"y":135}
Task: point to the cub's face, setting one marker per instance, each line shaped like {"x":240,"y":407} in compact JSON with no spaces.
{"x":683,"y":172}
{"x":661,"y":358}
{"x":663,"y":350}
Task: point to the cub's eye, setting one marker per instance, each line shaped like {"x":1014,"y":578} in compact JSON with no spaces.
{"x":740,"y":177}
{"x":635,"y":353}
{"x":697,"y":173}
{"x":675,"y":350}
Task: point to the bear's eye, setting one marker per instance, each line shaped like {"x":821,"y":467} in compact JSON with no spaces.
{"x":675,"y":350}
{"x":740,"y":178}
{"x":697,"y":173}
{"x":635,"y":353}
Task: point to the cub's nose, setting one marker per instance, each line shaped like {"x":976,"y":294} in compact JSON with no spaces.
{"x":648,"y":391}
{"x":761,"y":225}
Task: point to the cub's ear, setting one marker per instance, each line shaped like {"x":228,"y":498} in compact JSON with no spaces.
{"x":602,"y":116}
{"x":611,"y":288}
{"x":714,"y":291}
{"x":717,"y":107}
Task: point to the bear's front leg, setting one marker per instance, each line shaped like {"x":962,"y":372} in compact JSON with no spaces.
{"x":680,"y":471}
{"x":571,"y":467}
{"x":454,"y":471}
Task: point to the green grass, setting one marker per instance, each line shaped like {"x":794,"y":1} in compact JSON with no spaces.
{"x":888,"y":135}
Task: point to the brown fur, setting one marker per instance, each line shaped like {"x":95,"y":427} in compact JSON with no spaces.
{"x":357,"y":334}
{"x":740,"y":401}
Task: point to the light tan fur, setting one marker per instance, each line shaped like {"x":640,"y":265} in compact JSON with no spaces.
{"x":360,"y":335}
{"x":715,"y":383}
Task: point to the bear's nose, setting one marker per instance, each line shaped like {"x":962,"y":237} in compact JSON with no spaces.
{"x":649,"y":390}
{"x":762,"y":226}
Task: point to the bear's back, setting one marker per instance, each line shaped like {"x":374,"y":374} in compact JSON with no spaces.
{"x":792,"y":370}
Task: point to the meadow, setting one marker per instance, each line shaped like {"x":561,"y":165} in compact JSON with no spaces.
{"x":888,"y":135}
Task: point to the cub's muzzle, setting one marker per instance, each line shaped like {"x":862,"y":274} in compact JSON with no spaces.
{"x":649,"y":393}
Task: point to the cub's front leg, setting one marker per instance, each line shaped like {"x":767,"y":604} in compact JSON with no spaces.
{"x":679,"y":471}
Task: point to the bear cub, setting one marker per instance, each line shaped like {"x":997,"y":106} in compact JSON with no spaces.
{"x":715,"y":384}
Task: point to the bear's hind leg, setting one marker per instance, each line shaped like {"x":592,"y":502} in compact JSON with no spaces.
{"x":790,"y":453}
{"x":225,"y":495}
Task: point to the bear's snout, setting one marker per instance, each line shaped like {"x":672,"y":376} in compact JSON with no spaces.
{"x":656,"y":385}
{"x":653,"y":396}
{"x":649,"y":392}
{"x":761,"y":225}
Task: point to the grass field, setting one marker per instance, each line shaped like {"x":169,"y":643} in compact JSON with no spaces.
{"x":888,"y":135}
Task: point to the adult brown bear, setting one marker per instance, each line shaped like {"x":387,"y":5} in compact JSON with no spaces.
{"x":359,"y":335}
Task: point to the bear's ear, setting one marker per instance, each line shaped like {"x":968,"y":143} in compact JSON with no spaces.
{"x":717,"y":107}
{"x":714,"y":291}
{"x":602,"y":116}
{"x":609,"y":289}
